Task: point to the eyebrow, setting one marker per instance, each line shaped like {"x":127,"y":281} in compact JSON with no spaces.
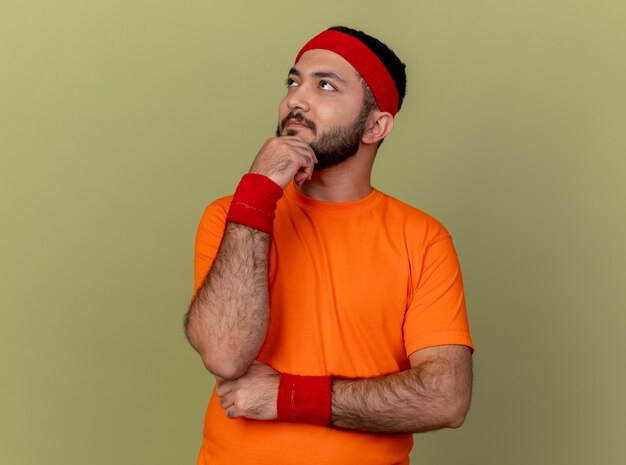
{"x":319,"y":74}
{"x":326,"y":74}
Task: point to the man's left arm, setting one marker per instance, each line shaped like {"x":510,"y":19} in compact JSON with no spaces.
{"x":434,"y":393}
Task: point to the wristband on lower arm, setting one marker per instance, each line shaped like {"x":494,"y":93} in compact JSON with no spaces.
{"x":304,"y":399}
{"x":254,"y":202}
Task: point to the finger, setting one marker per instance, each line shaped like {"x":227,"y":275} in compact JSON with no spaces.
{"x":310,"y":156}
{"x":231,"y":413}
{"x":261,"y":367}
{"x":223,"y":388}
{"x":295,"y":138}
{"x":300,"y":177}
{"x":305,"y":166}
{"x":308,"y":150}
{"x":294,"y":141}
{"x":315,"y":160}
{"x":226,"y":402}
{"x":308,"y":168}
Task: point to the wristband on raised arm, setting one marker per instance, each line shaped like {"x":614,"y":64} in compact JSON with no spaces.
{"x":254,"y":202}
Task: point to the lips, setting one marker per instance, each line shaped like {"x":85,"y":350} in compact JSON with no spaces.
{"x":296,"y":123}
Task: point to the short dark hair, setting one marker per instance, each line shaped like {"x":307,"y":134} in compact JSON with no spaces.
{"x":390,"y":60}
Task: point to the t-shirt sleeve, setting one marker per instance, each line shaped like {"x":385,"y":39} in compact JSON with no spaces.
{"x":436,"y":313}
{"x":208,"y":239}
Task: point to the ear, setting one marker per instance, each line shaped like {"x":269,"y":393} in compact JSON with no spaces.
{"x":379,"y":124}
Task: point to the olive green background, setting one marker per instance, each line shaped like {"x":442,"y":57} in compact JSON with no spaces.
{"x":121,"y":120}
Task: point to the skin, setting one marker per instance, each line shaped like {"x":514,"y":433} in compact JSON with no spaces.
{"x":435,"y":393}
{"x":227,"y":321}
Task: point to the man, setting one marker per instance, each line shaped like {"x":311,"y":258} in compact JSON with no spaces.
{"x":332,"y":315}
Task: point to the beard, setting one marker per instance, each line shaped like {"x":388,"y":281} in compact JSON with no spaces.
{"x":333,"y":146}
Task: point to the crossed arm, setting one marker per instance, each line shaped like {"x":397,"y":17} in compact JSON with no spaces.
{"x":227,"y":324}
{"x":434,"y":393}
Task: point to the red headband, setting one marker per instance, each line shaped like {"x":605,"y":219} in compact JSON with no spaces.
{"x":367,"y":64}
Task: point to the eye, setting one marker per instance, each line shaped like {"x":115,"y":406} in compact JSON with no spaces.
{"x":290,"y":83}
{"x":326,"y":85}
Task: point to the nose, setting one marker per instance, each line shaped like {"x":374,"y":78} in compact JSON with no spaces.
{"x":298,"y":98}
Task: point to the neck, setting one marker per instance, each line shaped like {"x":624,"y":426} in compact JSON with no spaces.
{"x":345,"y":182}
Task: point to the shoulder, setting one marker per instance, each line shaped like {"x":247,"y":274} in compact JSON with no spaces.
{"x":411,"y":220}
{"x":218,"y":206}
{"x":214,"y":215}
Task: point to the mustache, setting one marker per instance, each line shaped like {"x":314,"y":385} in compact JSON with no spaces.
{"x":298,"y":117}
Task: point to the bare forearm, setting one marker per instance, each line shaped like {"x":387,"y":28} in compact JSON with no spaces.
{"x":428,"y":397}
{"x":227,"y":321}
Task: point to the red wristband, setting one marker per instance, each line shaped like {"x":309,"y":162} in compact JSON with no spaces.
{"x":254,"y":202}
{"x":304,"y":399}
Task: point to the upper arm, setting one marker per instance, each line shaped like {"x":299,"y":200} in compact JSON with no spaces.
{"x":436,"y":313}
{"x":208,"y":239}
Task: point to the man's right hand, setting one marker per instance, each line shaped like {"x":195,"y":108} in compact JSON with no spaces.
{"x":285,"y":158}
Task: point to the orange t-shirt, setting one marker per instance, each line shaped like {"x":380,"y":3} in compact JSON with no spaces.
{"x":355,"y":288}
